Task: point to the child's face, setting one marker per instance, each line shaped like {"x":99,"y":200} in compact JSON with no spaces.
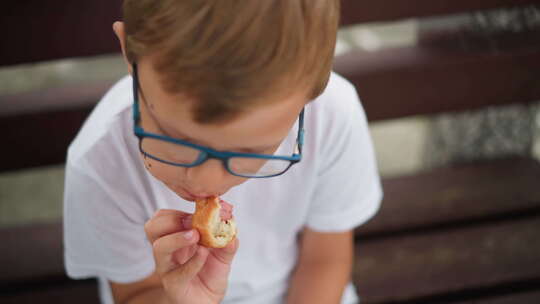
{"x":260,"y":131}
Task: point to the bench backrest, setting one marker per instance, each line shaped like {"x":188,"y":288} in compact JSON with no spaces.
{"x":421,"y":79}
{"x":56,"y":29}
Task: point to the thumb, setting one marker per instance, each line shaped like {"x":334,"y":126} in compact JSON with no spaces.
{"x":226,"y":254}
{"x":186,"y":272}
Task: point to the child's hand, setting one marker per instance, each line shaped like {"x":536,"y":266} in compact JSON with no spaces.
{"x":189,"y":273}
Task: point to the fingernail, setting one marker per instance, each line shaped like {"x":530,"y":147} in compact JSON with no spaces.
{"x":188,"y":235}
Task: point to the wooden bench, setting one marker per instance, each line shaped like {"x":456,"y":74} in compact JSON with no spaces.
{"x":459,"y":234}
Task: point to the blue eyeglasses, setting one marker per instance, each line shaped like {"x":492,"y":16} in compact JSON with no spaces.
{"x":181,"y":153}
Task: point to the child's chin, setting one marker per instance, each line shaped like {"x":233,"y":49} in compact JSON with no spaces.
{"x":181,"y":192}
{"x":186,"y":197}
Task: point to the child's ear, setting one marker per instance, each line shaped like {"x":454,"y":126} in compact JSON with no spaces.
{"x":118,"y":28}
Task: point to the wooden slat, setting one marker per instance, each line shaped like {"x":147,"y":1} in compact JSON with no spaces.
{"x":418,"y":80}
{"x":39,"y":139}
{"x":62,"y":29}
{"x":392,"y":83}
{"x":44,"y":30}
{"x":457,"y":194}
{"x":464,"y":37}
{"x":80,"y":95}
{"x":32,"y":253}
{"x":354,"y":11}
{"x":409,"y":267}
{"x":445,"y":195}
{"x":86,"y":293}
{"x":517,"y":298}
{"x":41,"y":124}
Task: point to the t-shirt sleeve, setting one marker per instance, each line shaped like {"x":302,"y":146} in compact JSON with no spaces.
{"x":103,"y":230}
{"x":348,"y":190}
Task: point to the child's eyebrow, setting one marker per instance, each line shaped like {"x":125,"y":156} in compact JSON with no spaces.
{"x":240,"y":149}
{"x":179,"y":135}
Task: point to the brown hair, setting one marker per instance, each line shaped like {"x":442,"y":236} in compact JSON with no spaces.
{"x":230,"y":55}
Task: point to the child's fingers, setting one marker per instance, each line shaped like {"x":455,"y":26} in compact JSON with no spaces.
{"x":166,"y":222}
{"x":165,"y":247}
{"x":185,"y":273}
{"x":183,"y":255}
{"x":226,"y":254}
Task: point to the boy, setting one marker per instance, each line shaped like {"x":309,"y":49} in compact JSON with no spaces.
{"x":234,"y":99}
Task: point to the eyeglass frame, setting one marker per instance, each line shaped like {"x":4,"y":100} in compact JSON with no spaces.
{"x":207,"y":152}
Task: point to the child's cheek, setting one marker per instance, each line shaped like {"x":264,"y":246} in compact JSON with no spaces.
{"x":165,"y":173}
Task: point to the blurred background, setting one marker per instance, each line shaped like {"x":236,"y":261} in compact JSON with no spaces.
{"x":452,"y":93}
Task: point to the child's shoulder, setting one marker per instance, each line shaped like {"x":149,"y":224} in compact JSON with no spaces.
{"x":339,"y":102}
{"x":338,"y":84}
{"x":106,"y":120}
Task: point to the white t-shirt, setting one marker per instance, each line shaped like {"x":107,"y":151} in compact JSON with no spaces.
{"x":109,"y":196}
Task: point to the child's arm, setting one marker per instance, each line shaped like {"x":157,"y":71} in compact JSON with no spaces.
{"x":323,"y":269}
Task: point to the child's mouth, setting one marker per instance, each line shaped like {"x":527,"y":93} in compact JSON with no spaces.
{"x":183,"y":193}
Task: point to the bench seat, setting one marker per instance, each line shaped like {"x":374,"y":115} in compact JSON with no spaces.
{"x":461,"y":233}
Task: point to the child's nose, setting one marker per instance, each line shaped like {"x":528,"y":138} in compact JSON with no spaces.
{"x":207,"y":178}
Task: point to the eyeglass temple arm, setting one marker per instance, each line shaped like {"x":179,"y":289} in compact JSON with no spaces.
{"x":136,"y":113}
{"x":300,"y":136}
